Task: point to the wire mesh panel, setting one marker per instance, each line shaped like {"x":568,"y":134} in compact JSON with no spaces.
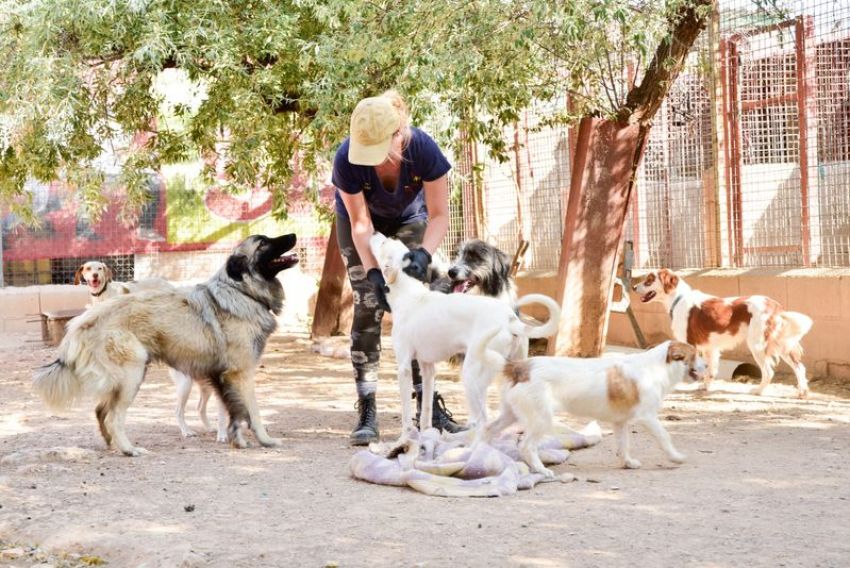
{"x":768,"y":190}
{"x":525,"y":197}
{"x":668,"y":219}
{"x":788,"y":97}
{"x":776,"y":190}
{"x":831,"y":44}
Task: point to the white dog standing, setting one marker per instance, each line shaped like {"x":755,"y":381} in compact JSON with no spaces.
{"x":430,"y":327}
{"x":713,"y":325}
{"x":620,"y":390}
{"x":99,"y":280}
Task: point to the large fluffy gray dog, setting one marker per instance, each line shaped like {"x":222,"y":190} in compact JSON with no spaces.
{"x":213,"y":332}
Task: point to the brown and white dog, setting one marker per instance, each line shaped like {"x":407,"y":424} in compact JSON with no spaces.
{"x":99,"y":280}
{"x":621,"y":390}
{"x":713,"y":325}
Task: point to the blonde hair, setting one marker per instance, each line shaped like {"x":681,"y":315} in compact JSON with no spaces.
{"x":403,"y":113}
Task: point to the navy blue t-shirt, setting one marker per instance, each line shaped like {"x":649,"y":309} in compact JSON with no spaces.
{"x":423,"y":161}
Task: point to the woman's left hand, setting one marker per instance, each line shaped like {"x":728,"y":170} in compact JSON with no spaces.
{"x":418,"y":261}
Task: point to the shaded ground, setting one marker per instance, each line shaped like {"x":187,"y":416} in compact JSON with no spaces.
{"x":767,"y":484}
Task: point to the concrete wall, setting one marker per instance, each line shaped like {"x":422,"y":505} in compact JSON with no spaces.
{"x":822,"y":294}
{"x":20,"y":308}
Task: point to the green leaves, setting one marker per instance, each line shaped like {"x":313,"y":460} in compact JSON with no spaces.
{"x":278,"y":79}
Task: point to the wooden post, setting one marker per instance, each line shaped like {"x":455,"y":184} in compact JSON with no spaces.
{"x":329,"y":301}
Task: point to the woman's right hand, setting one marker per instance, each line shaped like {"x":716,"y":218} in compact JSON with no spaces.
{"x":379,"y":285}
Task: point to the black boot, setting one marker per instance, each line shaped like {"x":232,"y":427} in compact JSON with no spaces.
{"x":441,"y":416}
{"x":366,"y":430}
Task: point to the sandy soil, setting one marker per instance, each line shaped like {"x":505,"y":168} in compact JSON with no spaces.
{"x":766,"y":484}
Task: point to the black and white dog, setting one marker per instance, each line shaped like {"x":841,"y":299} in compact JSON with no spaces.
{"x":482,"y":269}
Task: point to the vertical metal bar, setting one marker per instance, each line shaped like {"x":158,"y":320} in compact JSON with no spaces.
{"x":636,"y":224}
{"x":727,"y":143}
{"x":803,"y":134}
{"x":717,"y":135}
{"x":735,"y":161}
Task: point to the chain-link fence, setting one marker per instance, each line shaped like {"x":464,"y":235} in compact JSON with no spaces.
{"x":749,"y":159}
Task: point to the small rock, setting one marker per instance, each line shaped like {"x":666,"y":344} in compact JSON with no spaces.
{"x":592,"y":480}
{"x":189,"y":508}
{"x":193,"y":560}
{"x":12,"y":553}
{"x":567,"y":478}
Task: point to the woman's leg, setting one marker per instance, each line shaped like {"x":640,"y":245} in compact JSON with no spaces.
{"x":365,"y":337}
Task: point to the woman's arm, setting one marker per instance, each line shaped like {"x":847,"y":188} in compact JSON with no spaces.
{"x":361,"y":226}
{"x":437,"y":202}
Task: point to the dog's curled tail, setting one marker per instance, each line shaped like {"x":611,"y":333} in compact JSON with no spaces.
{"x":547,"y":329}
{"x":56,"y":384}
{"x":491,"y":359}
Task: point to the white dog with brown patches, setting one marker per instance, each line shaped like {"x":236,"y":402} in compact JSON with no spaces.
{"x":430,"y":327}
{"x":621,"y":390}
{"x":714,"y":325}
{"x":99,"y":280}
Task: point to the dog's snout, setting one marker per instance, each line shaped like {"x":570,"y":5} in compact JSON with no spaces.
{"x":452,"y":272}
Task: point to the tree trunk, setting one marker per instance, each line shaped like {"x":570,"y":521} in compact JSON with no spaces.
{"x":333,"y":300}
{"x":607,"y":155}
{"x":604,"y":171}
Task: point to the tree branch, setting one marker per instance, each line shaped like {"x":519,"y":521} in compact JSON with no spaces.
{"x":644,"y":100}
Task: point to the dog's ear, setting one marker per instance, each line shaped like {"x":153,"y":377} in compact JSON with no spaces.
{"x":108,"y":273}
{"x":78,"y":275}
{"x":668,"y":280}
{"x":237,"y":265}
{"x":678,"y":351}
{"x":502,"y":265}
{"x":390,"y":274}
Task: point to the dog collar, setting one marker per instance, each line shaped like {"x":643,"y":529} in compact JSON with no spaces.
{"x":102,"y":290}
{"x":673,"y":307}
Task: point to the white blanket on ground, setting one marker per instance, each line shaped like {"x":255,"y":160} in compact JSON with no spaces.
{"x":445,"y":466}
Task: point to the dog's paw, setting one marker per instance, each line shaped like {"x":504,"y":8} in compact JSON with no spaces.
{"x":757,"y":391}
{"x":271,"y":443}
{"x":546,"y":472}
{"x":221,"y":437}
{"x":239,"y":443}
{"x":135,"y":452}
{"x":678,"y":457}
{"x":803,"y":394}
{"x":188,"y":433}
{"x":631,"y":463}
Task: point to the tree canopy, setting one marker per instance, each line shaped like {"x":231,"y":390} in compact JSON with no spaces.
{"x":276,"y":77}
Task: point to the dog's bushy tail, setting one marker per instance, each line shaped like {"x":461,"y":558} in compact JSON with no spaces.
{"x":57,"y":385}
{"x":787,"y":335}
{"x":547,"y":329}
{"x":795,"y":325}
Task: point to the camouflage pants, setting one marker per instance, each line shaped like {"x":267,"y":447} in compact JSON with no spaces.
{"x":366,"y":325}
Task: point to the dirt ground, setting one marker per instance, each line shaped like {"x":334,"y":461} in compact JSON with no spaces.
{"x":767,"y":483}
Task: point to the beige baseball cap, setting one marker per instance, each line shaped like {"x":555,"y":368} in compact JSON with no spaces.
{"x":373,"y":123}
